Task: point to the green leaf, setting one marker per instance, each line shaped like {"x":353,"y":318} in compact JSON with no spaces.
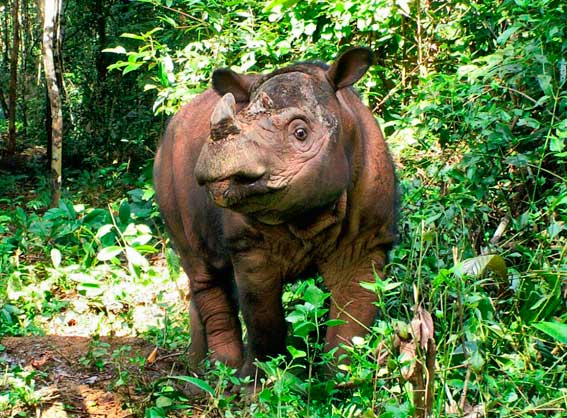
{"x":295,"y":353}
{"x":303,"y":329}
{"x":334,"y":322}
{"x":165,"y":69}
{"x":103,"y":230}
{"x":145,"y":249}
{"x":108,"y":253}
{"x":95,"y":215}
{"x":201,"y":384}
{"x":315,"y":296}
{"x":504,"y":36}
{"x":163,"y":402}
{"x":162,"y":75}
{"x":285,"y":4}
{"x":555,"y":330}
{"x":556,"y":144}
{"x":124,"y":212}
{"x":88,"y":285}
{"x":155,"y":412}
{"x":476,"y":266}
{"x":132,"y":36}
{"x":544,"y":81}
{"x":131,"y":67}
{"x":295,"y":316}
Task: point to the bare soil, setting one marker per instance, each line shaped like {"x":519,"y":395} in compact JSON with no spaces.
{"x":71,"y":388}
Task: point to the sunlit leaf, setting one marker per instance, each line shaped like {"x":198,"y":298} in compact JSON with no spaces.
{"x":477,"y":266}
{"x":285,"y":4}
{"x":103,"y":230}
{"x":108,"y":253}
{"x":136,"y":258}
{"x":556,"y":144}
{"x":115,"y":50}
{"x":55,"y":257}
{"x":131,"y":67}
{"x":314,"y":296}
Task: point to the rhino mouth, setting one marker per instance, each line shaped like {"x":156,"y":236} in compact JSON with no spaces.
{"x":236,"y":194}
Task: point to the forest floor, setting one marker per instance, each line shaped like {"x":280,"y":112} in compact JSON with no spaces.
{"x":90,"y":359}
{"x":113,"y":376}
{"x":78,"y":375}
{"x":71,"y":388}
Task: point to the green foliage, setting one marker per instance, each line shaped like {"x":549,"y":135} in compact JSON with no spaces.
{"x":95,"y":255}
{"x":473,"y":99}
{"x":18,"y":388}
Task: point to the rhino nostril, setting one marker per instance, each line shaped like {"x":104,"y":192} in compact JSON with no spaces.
{"x":247,"y":178}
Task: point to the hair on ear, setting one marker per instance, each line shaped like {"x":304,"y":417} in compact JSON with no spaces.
{"x":227,"y":81}
{"x":349,"y":67}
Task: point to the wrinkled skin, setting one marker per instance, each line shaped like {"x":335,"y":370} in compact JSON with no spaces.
{"x":264,"y":179}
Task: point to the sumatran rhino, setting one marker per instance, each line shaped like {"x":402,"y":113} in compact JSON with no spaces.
{"x":266,"y":178}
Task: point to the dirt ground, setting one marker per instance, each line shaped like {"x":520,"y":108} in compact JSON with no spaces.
{"x":71,"y":388}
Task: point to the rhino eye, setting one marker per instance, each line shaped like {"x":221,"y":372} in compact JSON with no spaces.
{"x":300,"y":134}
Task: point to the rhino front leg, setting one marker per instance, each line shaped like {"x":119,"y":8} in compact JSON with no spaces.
{"x":215,"y":326}
{"x":198,"y":349}
{"x":350,"y":302}
{"x":260,"y":295}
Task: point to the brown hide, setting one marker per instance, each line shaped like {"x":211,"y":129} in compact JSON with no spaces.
{"x":264,"y":179}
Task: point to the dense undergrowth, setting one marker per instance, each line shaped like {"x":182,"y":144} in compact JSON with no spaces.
{"x":473,"y":99}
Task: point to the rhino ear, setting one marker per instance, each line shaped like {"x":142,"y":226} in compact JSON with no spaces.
{"x":227,"y":81}
{"x":349,"y":67}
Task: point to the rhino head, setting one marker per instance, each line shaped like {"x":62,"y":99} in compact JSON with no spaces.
{"x":287,"y":151}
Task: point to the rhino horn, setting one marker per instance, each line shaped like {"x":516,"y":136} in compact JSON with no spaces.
{"x":223,"y":119}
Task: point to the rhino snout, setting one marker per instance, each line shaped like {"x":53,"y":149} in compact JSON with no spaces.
{"x":237,"y":188}
{"x":215,"y":172}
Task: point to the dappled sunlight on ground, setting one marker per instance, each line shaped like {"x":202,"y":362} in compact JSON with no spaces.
{"x":94,"y":360}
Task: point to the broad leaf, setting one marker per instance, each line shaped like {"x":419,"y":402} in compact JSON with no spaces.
{"x":201,"y":384}
{"x":136,"y":258}
{"x":477,"y":266}
{"x":108,"y":253}
{"x":554,"y":329}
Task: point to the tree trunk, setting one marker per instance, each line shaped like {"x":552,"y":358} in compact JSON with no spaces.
{"x":101,"y":64}
{"x":49,"y":132}
{"x":27,"y":56}
{"x":12,"y":94}
{"x":4,"y":65}
{"x":3,"y":103}
{"x":51,"y":11}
